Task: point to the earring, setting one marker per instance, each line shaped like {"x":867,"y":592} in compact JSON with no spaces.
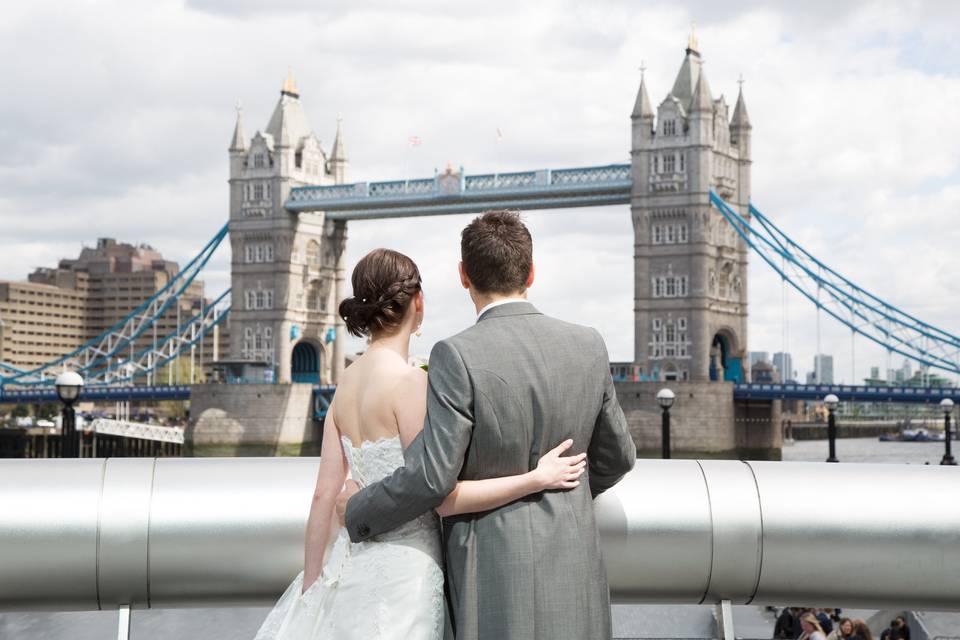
{"x":417,"y":332}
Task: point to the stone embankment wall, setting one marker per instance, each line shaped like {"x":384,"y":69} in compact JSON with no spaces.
{"x":252,"y":419}
{"x":859,"y":429}
{"x":705,"y":421}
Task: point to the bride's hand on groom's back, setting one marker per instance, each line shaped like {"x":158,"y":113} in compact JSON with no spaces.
{"x":555,"y":471}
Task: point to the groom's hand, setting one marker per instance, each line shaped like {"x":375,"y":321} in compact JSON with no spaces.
{"x":349,"y":488}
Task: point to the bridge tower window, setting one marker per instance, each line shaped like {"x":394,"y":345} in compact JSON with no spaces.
{"x":313,"y":253}
{"x":669,"y":163}
{"x":313,"y":296}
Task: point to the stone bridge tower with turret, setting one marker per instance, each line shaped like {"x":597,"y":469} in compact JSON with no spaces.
{"x":287,"y":269}
{"x":690,"y":266}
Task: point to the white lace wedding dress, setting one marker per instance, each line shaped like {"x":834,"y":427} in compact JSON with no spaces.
{"x":388,"y":587}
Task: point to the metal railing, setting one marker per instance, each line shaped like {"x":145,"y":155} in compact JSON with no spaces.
{"x":102,"y":438}
{"x":100,"y":534}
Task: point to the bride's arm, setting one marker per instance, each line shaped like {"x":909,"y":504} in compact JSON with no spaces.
{"x":552,"y":472}
{"x":471,"y":496}
{"x":322,"y":520}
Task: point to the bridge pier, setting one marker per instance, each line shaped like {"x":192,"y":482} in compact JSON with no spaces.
{"x":707,"y":422}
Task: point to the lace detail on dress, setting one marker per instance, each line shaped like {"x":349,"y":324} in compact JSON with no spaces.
{"x":373,"y":461}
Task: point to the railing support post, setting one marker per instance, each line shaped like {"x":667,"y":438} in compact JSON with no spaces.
{"x":726,"y":620}
{"x":123,"y":623}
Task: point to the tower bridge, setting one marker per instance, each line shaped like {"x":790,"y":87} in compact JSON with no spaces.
{"x":690,"y":294}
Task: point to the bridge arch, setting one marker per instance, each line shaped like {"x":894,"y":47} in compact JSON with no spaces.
{"x":726,"y":361}
{"x":306,"y":362}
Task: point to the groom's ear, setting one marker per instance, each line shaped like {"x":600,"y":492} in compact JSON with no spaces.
{"x":464,"y":280}
{"x":529,"y":282}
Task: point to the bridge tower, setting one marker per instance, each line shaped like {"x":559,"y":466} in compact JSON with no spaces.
{"x":690,"y":266}
{"x":287,"y":269}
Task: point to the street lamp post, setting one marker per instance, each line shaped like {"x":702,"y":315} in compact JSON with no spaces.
{"x":69,"y":384}
{"x":831,"y":402}
{"x":947,"y":405}
{"x":665,"y":399}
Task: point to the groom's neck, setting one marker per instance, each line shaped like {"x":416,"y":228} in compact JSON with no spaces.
{"x":480,"y":300}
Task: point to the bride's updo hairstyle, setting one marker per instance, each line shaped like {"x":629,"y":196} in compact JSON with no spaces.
{"x":384,"y":284}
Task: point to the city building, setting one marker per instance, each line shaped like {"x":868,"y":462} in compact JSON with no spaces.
{"x":763,"y":372}
{"x":783,"y":363}
{"x":690,"y":318}
{"x":758,"y":356}
{"x":287,"y":270}
{"x":60,"y":308}
{"x":822,"y":370}
{"x":41,"y":322}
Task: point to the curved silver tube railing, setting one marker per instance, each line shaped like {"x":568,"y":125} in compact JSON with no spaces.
{"x":97,"y":534}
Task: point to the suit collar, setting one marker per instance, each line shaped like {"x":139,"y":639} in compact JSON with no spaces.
{"x":520,"y":308}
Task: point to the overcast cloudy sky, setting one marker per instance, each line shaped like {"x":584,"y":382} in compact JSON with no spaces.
{"x":115,"y":117}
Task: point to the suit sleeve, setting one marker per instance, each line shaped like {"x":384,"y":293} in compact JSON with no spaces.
{"x":612,"y":452}
{"x":432,"y":461}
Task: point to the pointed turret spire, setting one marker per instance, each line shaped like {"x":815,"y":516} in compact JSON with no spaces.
{"x":740,"y":117}
{"x":288,"y":124}
{"x":290,"y":85}
{"x":689,"y":72}
{"x":337,"y":164}
{"x":339,"y":151}
{"x":641,"y":108}
{"x":702,"y":100}
{"x":239,"y":141}
{"x":692,"y":45}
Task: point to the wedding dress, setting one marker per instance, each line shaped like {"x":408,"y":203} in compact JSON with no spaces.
{"x":390,"y":587}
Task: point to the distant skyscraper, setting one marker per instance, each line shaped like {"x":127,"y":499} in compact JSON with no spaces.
{"x":783,"y":363}
{"x":906,"y":371}
{"x":823,"y":368}
{"x":874,"y":373}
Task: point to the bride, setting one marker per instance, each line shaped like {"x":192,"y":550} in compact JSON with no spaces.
{"x":391,"y":586}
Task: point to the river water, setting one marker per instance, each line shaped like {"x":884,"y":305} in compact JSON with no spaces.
{"x":867,"y":450}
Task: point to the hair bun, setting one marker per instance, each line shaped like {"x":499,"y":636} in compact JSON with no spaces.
{"x":384,"y":283}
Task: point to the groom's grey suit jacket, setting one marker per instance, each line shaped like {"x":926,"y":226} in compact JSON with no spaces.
{"x":501,"y":394}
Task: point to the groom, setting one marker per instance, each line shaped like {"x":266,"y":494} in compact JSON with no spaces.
{"x":501,"y":394}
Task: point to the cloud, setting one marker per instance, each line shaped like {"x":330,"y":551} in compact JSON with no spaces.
{"x":119,"y":127}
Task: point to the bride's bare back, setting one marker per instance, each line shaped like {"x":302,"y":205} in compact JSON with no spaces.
{"x":376,"y":391}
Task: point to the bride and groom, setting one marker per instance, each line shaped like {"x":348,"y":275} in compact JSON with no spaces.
{"x":508,"y":439}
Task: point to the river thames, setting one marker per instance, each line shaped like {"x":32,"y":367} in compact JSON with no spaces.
{"x":866,"y":450}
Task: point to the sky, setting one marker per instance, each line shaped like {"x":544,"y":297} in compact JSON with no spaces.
{"x":115,"y":118}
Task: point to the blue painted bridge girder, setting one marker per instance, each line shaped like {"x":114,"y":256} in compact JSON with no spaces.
{"x":451,"y":193}
{"x":323,"y":394}
{"x":40,"y":395}
{"x":846,"y":393}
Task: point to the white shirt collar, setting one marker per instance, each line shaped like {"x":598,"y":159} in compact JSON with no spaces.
{"x":497,"y":303}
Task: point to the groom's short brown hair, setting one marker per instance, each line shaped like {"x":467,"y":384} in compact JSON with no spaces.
{"x":497,"y":252}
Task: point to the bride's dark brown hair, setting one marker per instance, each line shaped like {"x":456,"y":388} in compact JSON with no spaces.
{"x":384,"y":284}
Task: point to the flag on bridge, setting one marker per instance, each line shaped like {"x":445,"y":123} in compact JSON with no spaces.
{"x":414,"y":141}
